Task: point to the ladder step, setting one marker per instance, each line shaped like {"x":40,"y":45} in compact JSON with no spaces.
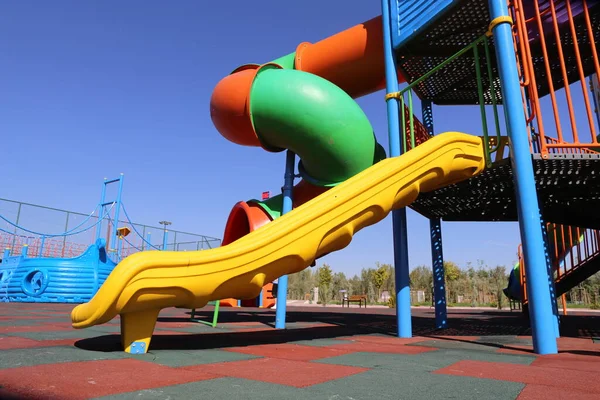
{"x":112,"y":181}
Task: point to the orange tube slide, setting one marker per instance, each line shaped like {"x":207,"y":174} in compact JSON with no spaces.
{"x":352,"y":59}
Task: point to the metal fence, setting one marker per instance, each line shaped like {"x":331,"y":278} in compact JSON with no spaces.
{"x":43,"y":230}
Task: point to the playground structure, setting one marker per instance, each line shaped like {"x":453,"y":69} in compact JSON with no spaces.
{"x":485,"y":53}
{"x":61,"y":267}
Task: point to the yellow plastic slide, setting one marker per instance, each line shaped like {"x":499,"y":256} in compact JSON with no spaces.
{"x":144,"y":283}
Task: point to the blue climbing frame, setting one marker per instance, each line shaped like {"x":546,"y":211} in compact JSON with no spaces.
{"x":402,"y":21}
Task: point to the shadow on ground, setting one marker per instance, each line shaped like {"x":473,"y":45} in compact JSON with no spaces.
{"x":310,"y":323}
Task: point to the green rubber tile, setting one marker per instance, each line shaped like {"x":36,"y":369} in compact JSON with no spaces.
{"x":16,"y":358}
{"x":456,"y":345}
{"x":53,"y":335}
{"x":320,"y":342}
{"x":218,"y":389}
{"x":505,"y":340}
{"x":179,"y":358}
{"x":389,"y":384}
{"x":424,"y":362}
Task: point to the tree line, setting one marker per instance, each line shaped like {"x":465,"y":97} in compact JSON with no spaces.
{"x":474,"y":285}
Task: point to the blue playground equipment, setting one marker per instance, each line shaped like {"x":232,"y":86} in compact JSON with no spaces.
{"x":32,"y":278}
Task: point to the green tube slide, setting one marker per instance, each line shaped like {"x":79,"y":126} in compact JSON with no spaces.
{"x":315,"y":119}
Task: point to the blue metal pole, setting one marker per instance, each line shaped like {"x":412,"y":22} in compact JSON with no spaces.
{"x":437,"y":254}
{"x":101,"y":211}
{"x":282,"y":285}
{"x":6,"y":254}
{"x":399,"y":223}
{"x":149,"y":240}
{"x":530,"y":224}
{"x":549,"y":264}
{"x":165,"y":239}
{"x":117,"y":210}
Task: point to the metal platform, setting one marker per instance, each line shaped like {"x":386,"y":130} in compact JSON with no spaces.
{"x":461,"y":23}
{"x":568,"y":189}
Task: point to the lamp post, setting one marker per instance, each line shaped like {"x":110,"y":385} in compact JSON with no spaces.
{"x":165,"y":224}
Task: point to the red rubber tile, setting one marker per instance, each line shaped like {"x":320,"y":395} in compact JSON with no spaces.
{"x":369,"y":347}
{"x":538,"y":392}
{"x":77,"y":380}
{"x":564,"y":379}
{"x":283,"y":372}
{"x":14,"y":342}
{"x":294,"y":352}
{"x":573,"y":362}
{"x":34,"y":328}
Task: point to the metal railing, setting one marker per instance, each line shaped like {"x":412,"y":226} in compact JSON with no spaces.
{"x":38,"y":218}
{"x":412,"y":135}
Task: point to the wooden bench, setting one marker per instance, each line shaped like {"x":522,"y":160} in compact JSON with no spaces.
{"x":357,"y":298}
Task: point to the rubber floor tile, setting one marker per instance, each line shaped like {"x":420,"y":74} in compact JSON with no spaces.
{"x":7,"y":329}
{"x":16,"y":358}
{"x":15,"y":342}
{"x":381,"y":348}
{"x":391,"y":385}
{"x":539,"y":392}
{"x":386,"y":339}
{"x":565,"y":379}
{"x":569,"y":361}
{"x":181,"y":358}
{"x":283,"y":372}
{"x":292,"y":352}
{"x":220,"y":389}
{"x":79,"y":380}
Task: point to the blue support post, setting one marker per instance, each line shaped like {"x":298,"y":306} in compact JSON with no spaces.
{"x":165,"y":239}
{"x":24,"y":250}
{"x":6,"y":254}
{"x":530,"y":224}
{"x":439,"y":277}
{"x":101,"y":211}
{"x":437,"y":254}
{"x":117,"y":210}
{"x":399,"y":223}
{"x":149,"y":240}
{"x":549,"y":264}
{"x":282,"y":285}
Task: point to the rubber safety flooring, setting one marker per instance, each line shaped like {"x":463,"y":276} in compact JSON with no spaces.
{"x":325,"y":353}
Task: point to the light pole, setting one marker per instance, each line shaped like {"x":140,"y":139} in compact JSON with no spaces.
{"x":165,"y":224}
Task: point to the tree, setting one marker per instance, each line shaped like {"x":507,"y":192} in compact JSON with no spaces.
{"x":380,"y":276}
{"x":324,"y":277}
{"x":453,"y":274}
{"x":498,"y":280}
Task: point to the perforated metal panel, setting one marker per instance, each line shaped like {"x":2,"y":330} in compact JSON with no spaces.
{"x":568,"y":188}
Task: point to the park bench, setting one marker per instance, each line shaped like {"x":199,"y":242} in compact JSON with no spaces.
{"x":357,"y":298}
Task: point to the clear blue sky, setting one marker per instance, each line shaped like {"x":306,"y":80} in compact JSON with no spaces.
{"x":93,"y":89}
